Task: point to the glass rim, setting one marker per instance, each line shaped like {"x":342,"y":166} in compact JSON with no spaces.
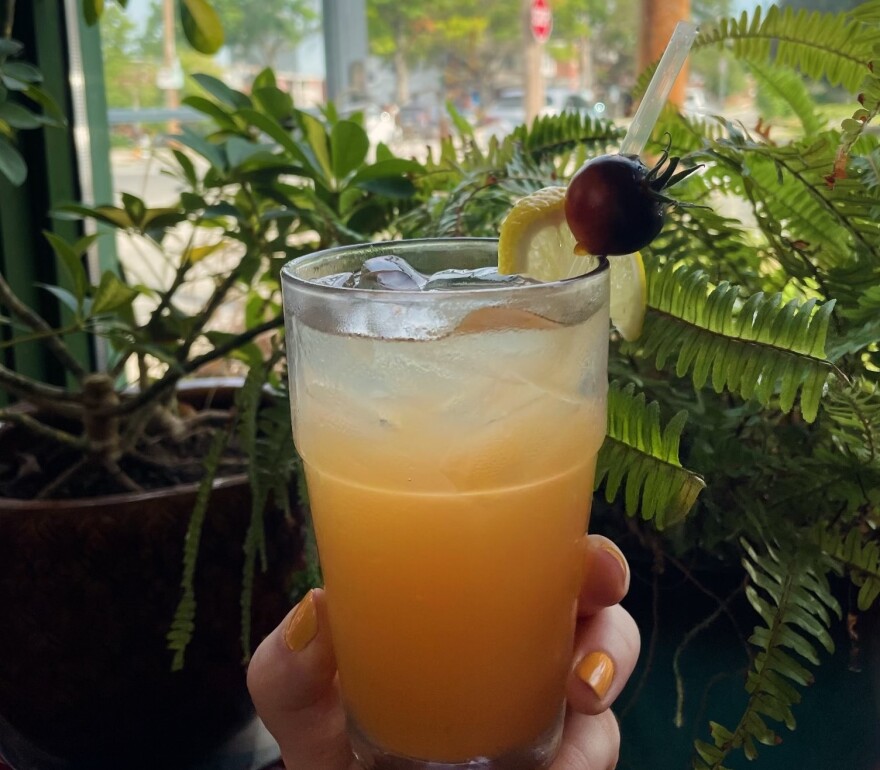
{"x":289,"y":277}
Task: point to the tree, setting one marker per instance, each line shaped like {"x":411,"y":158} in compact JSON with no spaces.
{"x":258,"y":30}
{"x":443,"y":33}
{"x":826,"y":6}
{"x":129,"y":83}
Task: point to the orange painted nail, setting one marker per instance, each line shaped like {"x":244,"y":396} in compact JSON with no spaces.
{"x":596,"y":671}
{"x":303,"y":624}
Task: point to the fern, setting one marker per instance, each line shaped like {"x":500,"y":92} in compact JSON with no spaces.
{"x":855,"y":412}
{"x":787,"y":186}
{"x":638,"y":450}
{"x":248,"y":402}
{"x":860,"y":558}
{"x":787,"y":86}
{"x":867,"y":166}
{"x":820,"y":45}
{"x":183,"y":624}
{"x":853,"y":127}
{"x":266,"y":439}
{"x":756,"y":348}
{"x":792,"y":596}
{"x":553,"y":136}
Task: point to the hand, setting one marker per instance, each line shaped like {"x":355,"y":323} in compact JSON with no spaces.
{"x":292,"y":676}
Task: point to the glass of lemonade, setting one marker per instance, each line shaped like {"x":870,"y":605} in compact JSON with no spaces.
{"x":449,"y":434}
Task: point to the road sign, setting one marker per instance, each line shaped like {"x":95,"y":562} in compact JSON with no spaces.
{"x":541,"y":20}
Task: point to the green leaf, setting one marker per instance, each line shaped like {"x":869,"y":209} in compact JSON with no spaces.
{"x":641,"y":457}
{"x":19,"y":75}
{"x":239,"y":150}
{"x":277,"y":104}
{"x":109,"y":215}
{"x":20,"y":117}
{"x":349,"y":145}
{"x":92,"y":10}
{"x":111,"y":294}
{"x":210,"y":152}
{"x":213,"y":110}
{"x":317,"y":142}
{"x":135,"y":208}
{"x":10,"y":47}
{"x":72,"y":262}
{"x":201,"y":25}
{"x":391,"y":187}
{"x":63,"y":296}
{"x":12,"y":164}
{"x":760,"y":348}
{"x":265,"y":78}
{"x":222,"y":92}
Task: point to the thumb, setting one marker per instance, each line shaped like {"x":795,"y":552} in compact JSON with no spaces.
{"x":292,"y":681}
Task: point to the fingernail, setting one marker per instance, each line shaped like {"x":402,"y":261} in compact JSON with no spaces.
{"x":596,"y":671}
{"x":618,"y":557}
{"x":303,"y":624}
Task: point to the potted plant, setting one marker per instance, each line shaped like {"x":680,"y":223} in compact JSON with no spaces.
{"x":149,"y":530}
{"x":741,"y":458}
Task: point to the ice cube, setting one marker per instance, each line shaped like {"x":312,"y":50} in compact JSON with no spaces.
{"x":337,"y":280}
{"x":469,"y":279}
{"x":390,"y":272}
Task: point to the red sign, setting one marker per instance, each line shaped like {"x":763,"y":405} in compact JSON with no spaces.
{"x":541,"y":19}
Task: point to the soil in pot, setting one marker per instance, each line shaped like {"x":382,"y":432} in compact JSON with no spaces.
{"x":88,"y":590}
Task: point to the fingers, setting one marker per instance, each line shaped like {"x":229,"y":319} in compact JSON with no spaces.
{"x":589,"y":743}
{"x":606,"y":575}
{"x":606,"y":650}
{"x":291,"y":679}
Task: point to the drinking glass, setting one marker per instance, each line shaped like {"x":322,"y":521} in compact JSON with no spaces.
{"x":449,"y":442}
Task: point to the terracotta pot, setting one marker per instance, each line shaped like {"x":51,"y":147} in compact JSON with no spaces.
{"x":88,"y":589}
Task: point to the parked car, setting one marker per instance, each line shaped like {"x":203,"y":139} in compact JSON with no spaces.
{"x":508,"y":111}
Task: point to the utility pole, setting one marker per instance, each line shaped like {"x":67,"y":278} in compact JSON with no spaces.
{"x":172,"y":94}
{"x":345,"y":49}
{"x":533,"y":52}
{"x":659,"y":18}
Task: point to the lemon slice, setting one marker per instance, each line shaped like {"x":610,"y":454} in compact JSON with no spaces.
{"x":535,"y":240}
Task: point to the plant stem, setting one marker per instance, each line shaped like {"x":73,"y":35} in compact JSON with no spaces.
{"x":10,"y":18}
{"x":41,"y":429}
{"x":53,"y":399}
{"x":38,"y":324}
{"x":173,"y":376}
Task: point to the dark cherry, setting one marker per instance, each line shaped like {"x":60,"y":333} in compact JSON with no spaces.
{"x":614,"y":204}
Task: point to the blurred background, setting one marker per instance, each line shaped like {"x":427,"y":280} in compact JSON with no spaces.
{"x":498,"y":63}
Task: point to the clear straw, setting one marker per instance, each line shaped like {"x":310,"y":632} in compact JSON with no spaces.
{"x":658,"y":89}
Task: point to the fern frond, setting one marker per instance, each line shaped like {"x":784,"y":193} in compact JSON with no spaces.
{"x":853,"y":128}
{"x":790,"y":591}
{"x":266,"y":439}
{"x":789,"y":87}
{"x":718,"y":244}
{"x":637,"y":449}
{"x":860,"y":558}
{"x":760,"y":347}
{"x":551,"y":136}
{"x":789,"y":189}
{"x":820,"y":45}
{"x":855,"y":412}
{"x":183,"y":624}
{"x":867,"y":166}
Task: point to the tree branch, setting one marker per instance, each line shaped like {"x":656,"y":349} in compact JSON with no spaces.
{"x":10,"y":18}
{"x":38,"y":324}
{"x":174,"y":375}
{"x":49,"y":397}
{"x":41,"y":429}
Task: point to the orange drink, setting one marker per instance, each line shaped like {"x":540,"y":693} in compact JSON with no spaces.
{"x":449,"y":439}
